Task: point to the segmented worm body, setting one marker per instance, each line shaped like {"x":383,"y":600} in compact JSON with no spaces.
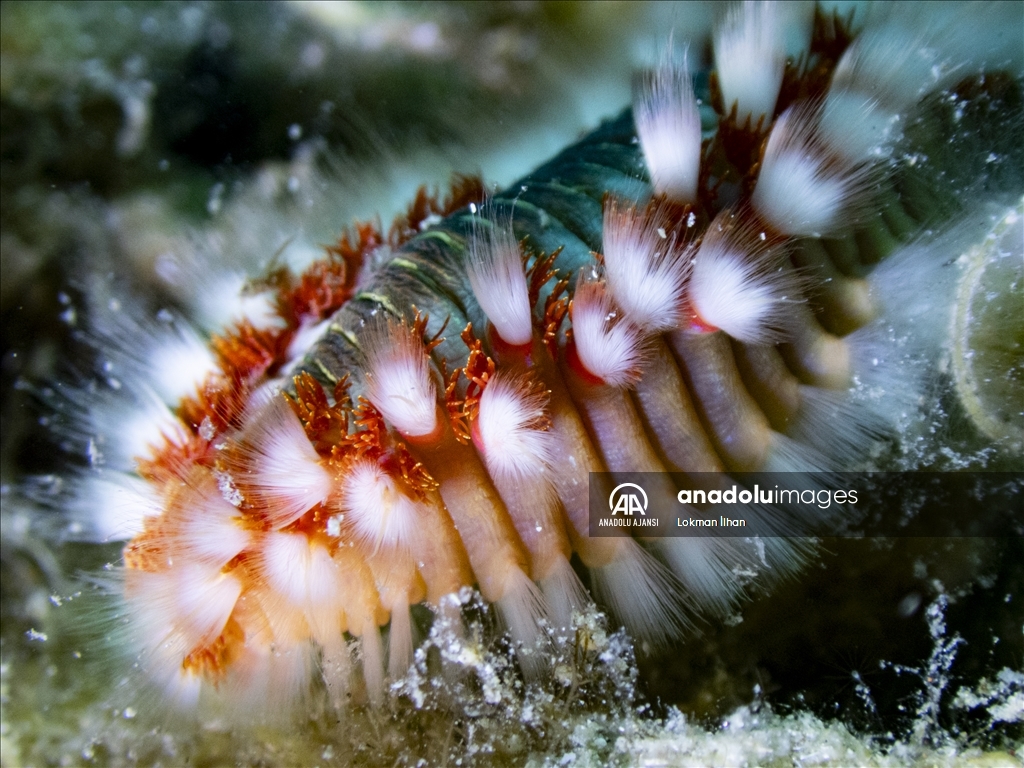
{"x":678,"y":291}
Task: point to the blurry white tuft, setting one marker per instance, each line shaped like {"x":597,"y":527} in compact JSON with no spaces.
{"x":801,"y":190}
{"x":204,"y":527}
{"x":668,"y":124}
{"x":181,"y":609}
{"x":112,"y":506}
{"x":227,"y":299}
{"x":750,"y":59}
{"x":564,"y":594}
{"x":373,"y":661}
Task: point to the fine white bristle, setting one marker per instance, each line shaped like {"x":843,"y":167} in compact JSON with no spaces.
{"x":285,"y":565}
{"x":126,"y":425}
{"x":373,"y":661}
{"x":642,"y":594}
{"x":750,"y":60}
{"x":564,"y":594}
{"x":400,"y":643}
{"x":668,"y":125}
{"x":499,"y":281}
{"x":707,"y":568}
{"x":788,"y":455}
{"x":324,"y":580}
{"x":285,"y":469}
{"x":522,"y":611}
{"x":398,"y":378}
{"x":304,"y":338}
{"x":856,"y":127}
{"x":379,"y":512}
{"x":511,"y":429}
{"x":737,"y":286}
{"x":162,"y":354}
{"x":179,"y":688}
{"x":608,"y":345}
{"x":837,"y":424}
{"x":645,"y":268}
{"x":800,"y":190}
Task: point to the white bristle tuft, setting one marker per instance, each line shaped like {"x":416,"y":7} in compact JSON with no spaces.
{"x":750,"y":59}
{"x":736,"y":285}
{"x":511,"y":428}
{"x":777,"y":557}
{"x":304,"y":339}
{"x":286,"y":471}
{"x":270,"y":678}
{"x":398,"y":378}
{"x":645,"y":268}
{"x":895,"y":63}
{"x":285,"y":565}
{"x":324,"y":599}
{"x":642,"y":594}
{"x":178,"y":364}
{"x":856,"y":127}
{"x":303,"y":577}
{"x":400,"y":643}
{"x":209,"y":530}
{"x":379,"y":513}
{"x":892,"y":372}
{"x":181,"y":609}
{"x":837,"y":424}
{"x":180,"y":688}
{"x":522,"y":612}
{"x":123,"y":431}
{"x":499,"y":280}
{"x":788,"y":455}
{"x":162,"y":354}
{"x":800,"y":190}
{"x":609,"y":345}
{"x":227,"y":300}
{"x":564,"y":594}
{"x":707,"y":568}
{"x":113,"y":507}
{"x":668,"y":125}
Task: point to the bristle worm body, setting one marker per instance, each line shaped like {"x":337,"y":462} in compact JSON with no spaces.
{"x":347,"y":479}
